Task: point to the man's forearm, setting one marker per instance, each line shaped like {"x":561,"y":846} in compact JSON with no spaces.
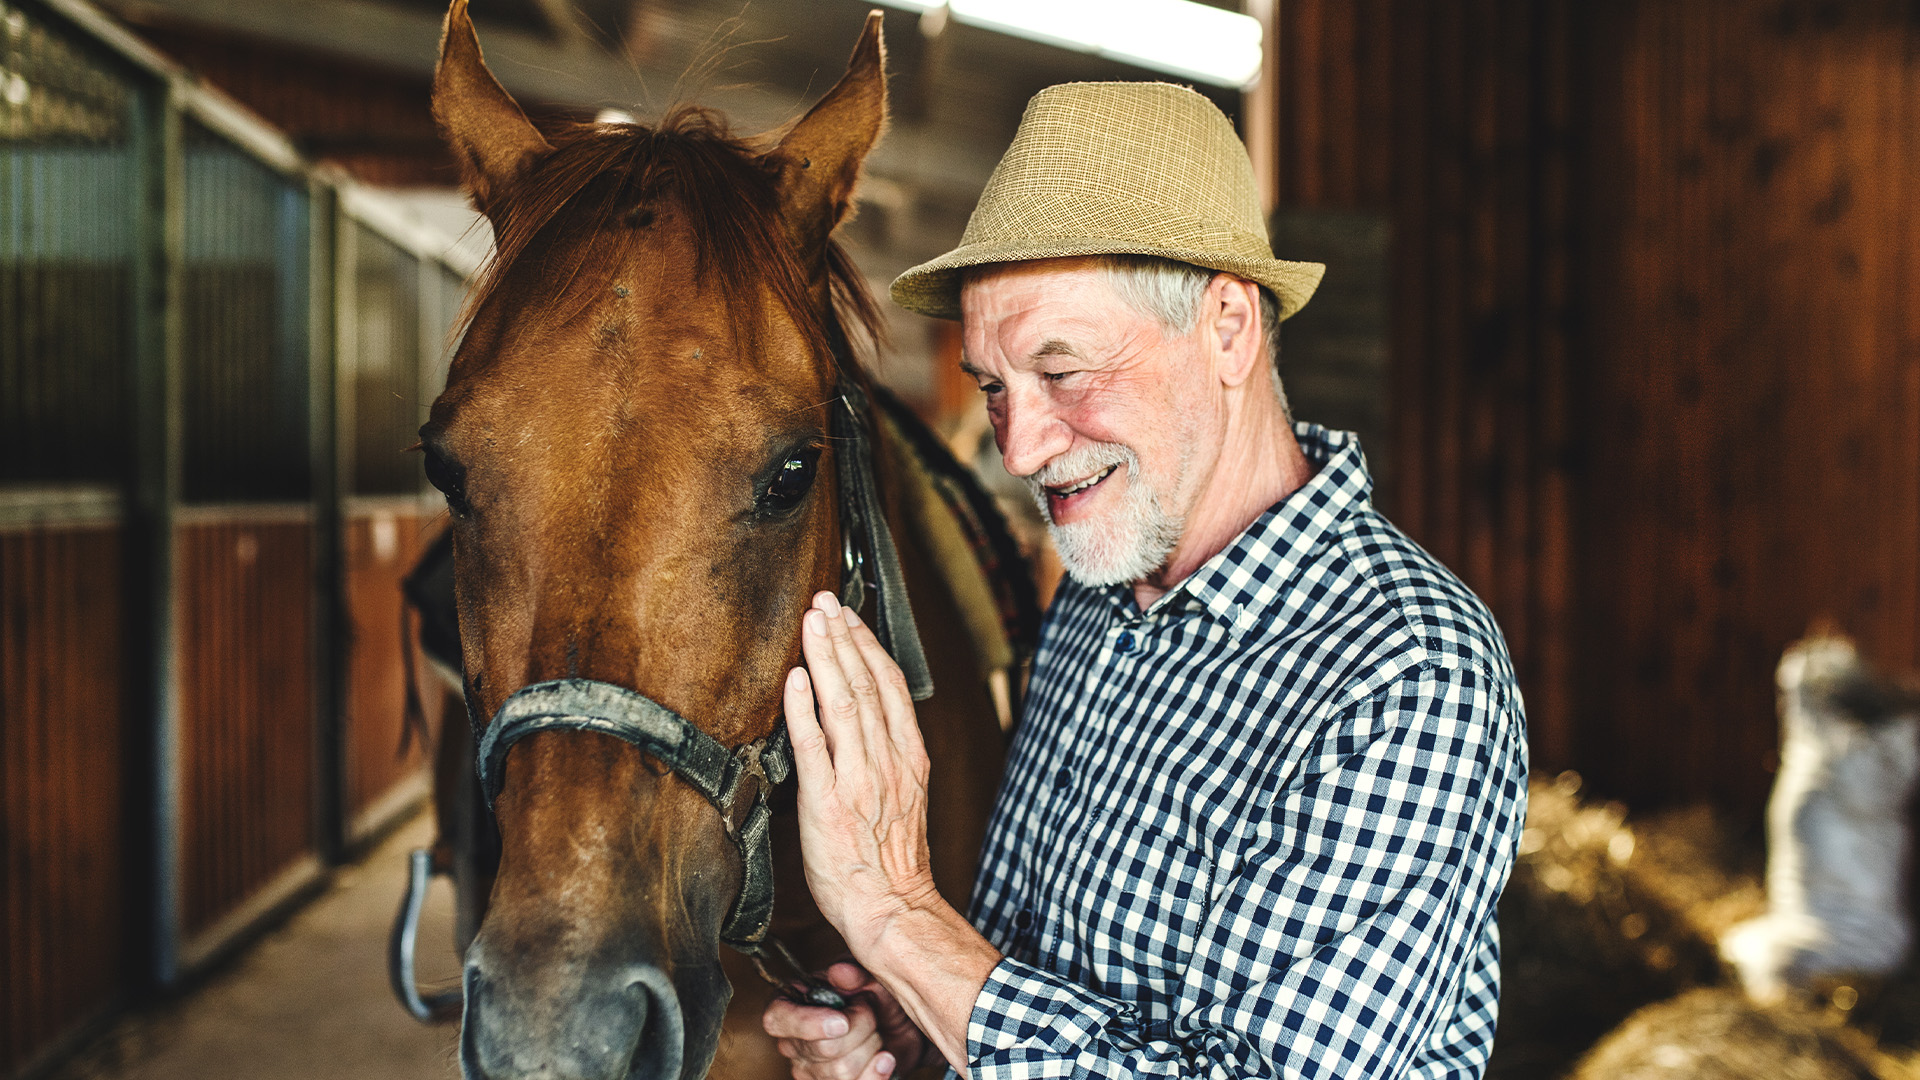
{"x":935,"y":963}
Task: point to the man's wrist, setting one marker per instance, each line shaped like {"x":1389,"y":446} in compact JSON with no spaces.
{"x":882,"y":922}
{"x":934,"y":962}
{"x":895,"y":943}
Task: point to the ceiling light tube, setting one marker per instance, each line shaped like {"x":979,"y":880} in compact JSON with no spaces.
{"x":1175,"y":37}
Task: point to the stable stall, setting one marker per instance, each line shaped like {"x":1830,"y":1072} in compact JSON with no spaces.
{"x":212,"y":360}
{"x":398,"y":298}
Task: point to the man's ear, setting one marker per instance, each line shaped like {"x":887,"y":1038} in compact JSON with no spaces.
{"x":1232,"y":323}
{"x":486,"y":129}
{"x":818,"y":162}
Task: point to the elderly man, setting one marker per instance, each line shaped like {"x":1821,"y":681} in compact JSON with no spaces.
{"x":1271,"y":773}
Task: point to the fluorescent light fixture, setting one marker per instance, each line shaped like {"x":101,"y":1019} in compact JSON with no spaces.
{"x":1178,"y":37}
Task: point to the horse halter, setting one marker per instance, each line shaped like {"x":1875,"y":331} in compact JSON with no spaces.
{"x":720,"y":773}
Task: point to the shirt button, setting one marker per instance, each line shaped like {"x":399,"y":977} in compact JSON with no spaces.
{"x":1024,"y":919}
{"x":1125,"y":643}
{"x":1063,"y":779}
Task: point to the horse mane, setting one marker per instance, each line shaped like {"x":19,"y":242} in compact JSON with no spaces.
{"x":600,"y":183}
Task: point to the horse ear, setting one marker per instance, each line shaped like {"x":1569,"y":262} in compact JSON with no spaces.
{"x":484,"y":126}
{"x":819,"y":160}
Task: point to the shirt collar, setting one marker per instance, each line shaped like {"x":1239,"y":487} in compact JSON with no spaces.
{"x":1242,"y":581}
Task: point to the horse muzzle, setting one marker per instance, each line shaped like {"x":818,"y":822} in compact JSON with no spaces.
{"x":608,"y":1023}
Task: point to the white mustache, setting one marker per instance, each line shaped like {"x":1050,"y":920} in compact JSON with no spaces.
{"x":1079,"y":464}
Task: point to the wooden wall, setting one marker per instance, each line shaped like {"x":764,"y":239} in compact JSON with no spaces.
{"x":1656,"y":340}
{"x":371,"y":120}
{"x":64,"y":903}
{"x":244,"y":611}
{"x":381,"y":546}
{"x":1758,"y":416}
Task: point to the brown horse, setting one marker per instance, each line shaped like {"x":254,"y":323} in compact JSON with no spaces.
{"x":647,"y":484}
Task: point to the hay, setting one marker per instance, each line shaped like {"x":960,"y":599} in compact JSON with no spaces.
{"x":1611,"y":965}
{"x":1598,"y":920}
{"x":1717,"y":1034}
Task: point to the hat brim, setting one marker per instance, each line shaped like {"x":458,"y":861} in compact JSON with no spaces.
{"x":933,"y":288}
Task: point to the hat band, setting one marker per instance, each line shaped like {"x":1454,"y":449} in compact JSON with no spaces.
{"x":1042,"y":218}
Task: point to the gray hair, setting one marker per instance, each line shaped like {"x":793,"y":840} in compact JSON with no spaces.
{"x":1169,"y":293}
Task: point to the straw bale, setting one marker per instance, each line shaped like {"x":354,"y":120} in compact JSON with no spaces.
{"x":1602,"y":918}
{"x":1716,"y":1033}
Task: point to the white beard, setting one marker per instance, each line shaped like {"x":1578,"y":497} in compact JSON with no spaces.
{"x":1126,"y":544}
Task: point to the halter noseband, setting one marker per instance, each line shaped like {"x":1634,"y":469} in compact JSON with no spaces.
{"x":718,"y":772}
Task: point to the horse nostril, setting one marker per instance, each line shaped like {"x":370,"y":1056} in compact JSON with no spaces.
{"x":630,"y":1029}
{"x":662,"y":1045}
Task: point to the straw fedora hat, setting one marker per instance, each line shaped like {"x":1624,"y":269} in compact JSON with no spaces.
{"x":1117,"y":168}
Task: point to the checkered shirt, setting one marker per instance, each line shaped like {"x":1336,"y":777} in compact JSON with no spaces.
{"x":1259,"y":828}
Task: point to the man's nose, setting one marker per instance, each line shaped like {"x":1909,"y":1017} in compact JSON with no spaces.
{"x":1030,"y":435}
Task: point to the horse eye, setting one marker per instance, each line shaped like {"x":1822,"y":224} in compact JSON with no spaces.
{"x":792,"y":481}
{"x":451,"y":479}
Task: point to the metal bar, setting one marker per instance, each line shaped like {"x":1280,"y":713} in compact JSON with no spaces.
{"x":394,"y":224}
{"x":403,"y":942}
{"x":330,"y":622}
{"x":66,"y":504}
{"x":262,"y":142}
{"x":346,"y":353}
{"x":167,"y":463}
{"x":97,"y":25}
{"x":244,"y":513}
{"x":153,"y":802}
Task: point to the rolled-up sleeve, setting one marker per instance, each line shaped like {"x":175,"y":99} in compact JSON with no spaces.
{"x":1352,"y":935}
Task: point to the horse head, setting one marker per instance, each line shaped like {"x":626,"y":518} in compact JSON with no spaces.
{"x":637,"y":447}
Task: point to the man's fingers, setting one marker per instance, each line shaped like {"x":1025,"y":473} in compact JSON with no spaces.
{"x":849,"y":976}
{"x":861,"y":1041}
{"x":825,"y":1044}
{"x":896,"y":699}
{"x":851,"y":1067}
{"x":785,"y":1019}
{"x":838,"y":710}
{"x":812,"y":751}
{"x":861,"y":683}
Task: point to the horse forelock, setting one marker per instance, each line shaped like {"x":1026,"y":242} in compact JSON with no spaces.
{"x":597,"y":189}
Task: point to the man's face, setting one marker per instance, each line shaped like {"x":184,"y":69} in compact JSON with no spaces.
{"x":1093,"y":407}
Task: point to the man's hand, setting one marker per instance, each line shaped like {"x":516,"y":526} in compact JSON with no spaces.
{"x":872,"y":1039}
{"x":863,"y":777}
{"x":863,"y":837}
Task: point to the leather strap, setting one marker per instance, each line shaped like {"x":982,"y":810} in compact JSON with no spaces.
{"x":714,"y":771}
{"x":865,"y":518}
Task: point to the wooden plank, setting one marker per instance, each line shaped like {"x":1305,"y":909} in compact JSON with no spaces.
{"x":1443,"y":529}
{"x":1410,"y":362}
{"x":1339,"y":154}
{"x":1374,"y":38}
{"x":1546,"y":686}
{"x":63,"y":952}
{"x":1303,"y":113}
{"x":381,"y":545}
{"x":246,"y":719}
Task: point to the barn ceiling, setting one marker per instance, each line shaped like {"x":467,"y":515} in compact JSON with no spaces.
{"x":957,"y":90}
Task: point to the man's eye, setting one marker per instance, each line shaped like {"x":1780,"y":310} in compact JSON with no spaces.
{"x":792,"y":481}
{"x":1055,"y":376}
{"x":991,"y":388}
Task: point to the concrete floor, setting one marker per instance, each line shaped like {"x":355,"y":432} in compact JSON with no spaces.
{"x":309,"y":1001}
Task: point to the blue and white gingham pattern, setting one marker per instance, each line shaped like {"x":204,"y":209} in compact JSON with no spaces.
{"x":1259,"y":829}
